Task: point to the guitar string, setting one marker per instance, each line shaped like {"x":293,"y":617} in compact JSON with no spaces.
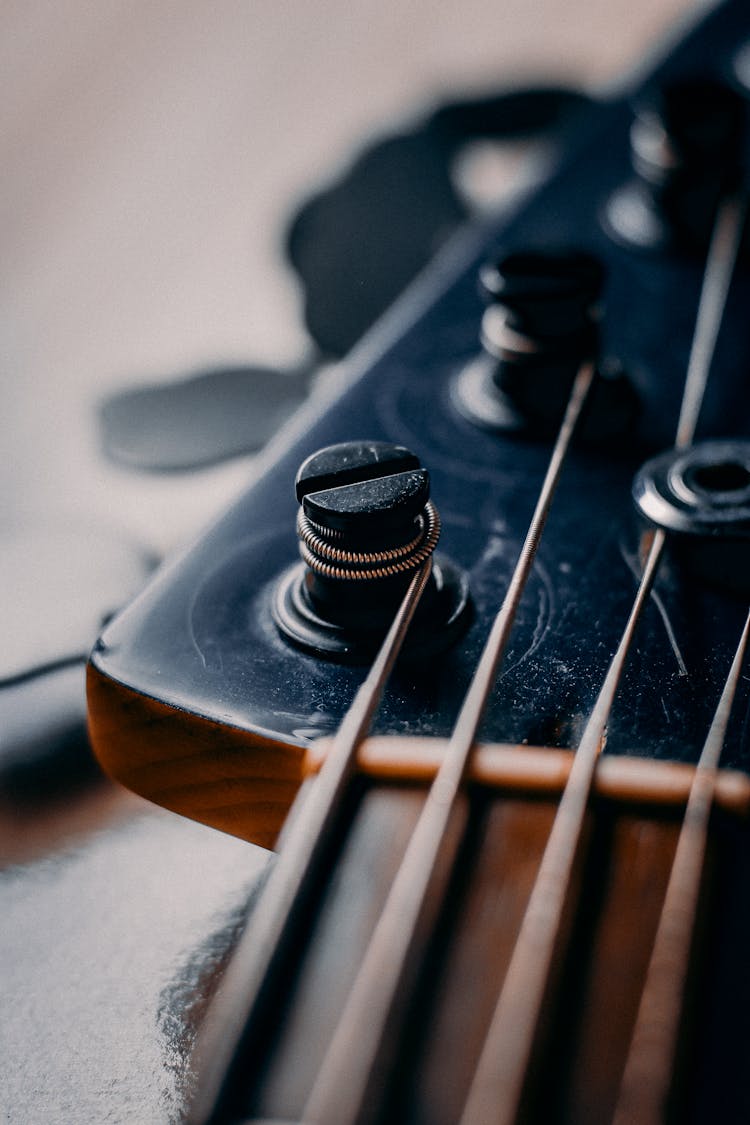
{"x":244,"y":1007}
{"x":724,"y":248}
{"x":650,"y":1062}
{"x":498,"y":1083}
{"x":496,"y":1088}
{"x":355,"y":1058}
{"x":272,"y":922}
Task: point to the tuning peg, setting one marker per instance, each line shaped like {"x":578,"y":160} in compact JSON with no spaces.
{"x":685,"y":147}
{"x":541,"y":323}
{"x":365,"y":525}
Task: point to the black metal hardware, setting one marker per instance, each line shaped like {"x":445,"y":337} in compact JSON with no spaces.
{"x":685,"y":145}
{"x":541,"y":323}
{"x":365,"y":524}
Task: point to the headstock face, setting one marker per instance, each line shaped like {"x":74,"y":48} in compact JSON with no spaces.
{"x":201,"y":647}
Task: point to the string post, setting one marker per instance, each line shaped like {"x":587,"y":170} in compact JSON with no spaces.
{"x":541,"y":323}
{"x":701,"y":495}
{"x":365,"y":524}
{"x":685,"y":146}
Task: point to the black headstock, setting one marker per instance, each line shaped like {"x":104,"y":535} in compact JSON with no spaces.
{"x":201,"y":656}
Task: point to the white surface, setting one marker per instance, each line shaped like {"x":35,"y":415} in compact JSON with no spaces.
{"x":103,"y":947}
{"x":151,"y":155}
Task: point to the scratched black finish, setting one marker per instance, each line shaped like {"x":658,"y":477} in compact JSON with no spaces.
{"x":202,"y":638}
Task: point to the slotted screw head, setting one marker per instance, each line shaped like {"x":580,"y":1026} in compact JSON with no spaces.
{"x":363,"y":487}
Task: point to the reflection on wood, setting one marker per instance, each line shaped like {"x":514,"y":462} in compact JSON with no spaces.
{"x":580,"y":1053}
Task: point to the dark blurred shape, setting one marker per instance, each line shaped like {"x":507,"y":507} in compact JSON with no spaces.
{"x":355,"y":247}
{"x":360,"y":242}
{"x":43,"y":743}
{"x":508,"y":115}
{"x":60,"y":586}
{"x":202,"y":420}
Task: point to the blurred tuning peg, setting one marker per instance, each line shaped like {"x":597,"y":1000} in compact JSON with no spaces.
{"x":685,"y":145}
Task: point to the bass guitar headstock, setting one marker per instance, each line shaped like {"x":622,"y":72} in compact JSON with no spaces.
{"x":201,"y":701}
{"x":489,"y":909}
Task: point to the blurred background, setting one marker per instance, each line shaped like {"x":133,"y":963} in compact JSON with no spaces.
{"x":153,"y":154}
